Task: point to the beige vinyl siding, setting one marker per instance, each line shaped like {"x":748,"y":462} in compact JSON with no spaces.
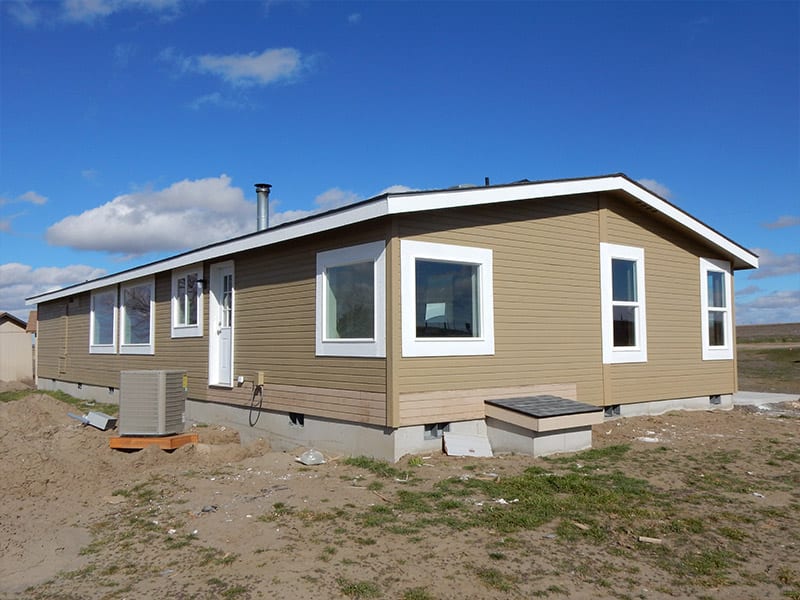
{"x":547,"y":307}
{"x":275,"y":333}
{"x":274,"y":329}
{"x":674,"y":367}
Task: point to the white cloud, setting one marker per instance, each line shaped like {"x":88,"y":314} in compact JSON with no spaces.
{"x":783,"y":221}
{"x":253,"y":69}
{"x":354,"y":18}
{"x":90,"y":175}
{"x":33,"y":198}
{"x":187,"y":214}
{"x":778,"y":307}
{"x":215,"y":99}
{"x":396,"y":189}
{"x":335,"y":197}
{"x":775,"y":265}
{"x":87,"y":11}
{"x":243,"y":70}
{"x":18,"y":281}
{"x":656,"y":187}
{"x":750,"y":289}
{"x":24,"y":13}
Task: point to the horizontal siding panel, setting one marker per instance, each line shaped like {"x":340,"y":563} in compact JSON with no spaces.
{"x":462,"y":405}
{"x":547,"y":312}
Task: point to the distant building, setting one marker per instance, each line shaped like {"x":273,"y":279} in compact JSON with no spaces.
{"x":16,"y":349}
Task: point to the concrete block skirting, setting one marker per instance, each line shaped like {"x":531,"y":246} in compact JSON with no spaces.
{"x":80,"y":390}
{"x":329,"y":436}
{"x":659,"y":407}
{"x":508,"y":437}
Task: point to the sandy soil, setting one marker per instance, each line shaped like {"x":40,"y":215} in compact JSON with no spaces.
{"x":222,"y":520}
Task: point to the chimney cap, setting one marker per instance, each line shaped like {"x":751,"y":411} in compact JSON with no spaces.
{"x":263,"y":187}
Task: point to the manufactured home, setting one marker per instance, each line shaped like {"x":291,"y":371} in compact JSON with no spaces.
{"x":521,"y":312}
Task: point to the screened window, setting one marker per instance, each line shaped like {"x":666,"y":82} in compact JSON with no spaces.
{"x":447,"y":305}
{"x":623,"y":304}
{"x":136,"y":316}
{"x":103,"y":322}
{"x":351,"y":301}
{"x":187,"y":303}
{"x":715,"y":294}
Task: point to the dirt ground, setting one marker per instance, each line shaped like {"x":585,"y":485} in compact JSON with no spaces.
{"x":719,"y":510}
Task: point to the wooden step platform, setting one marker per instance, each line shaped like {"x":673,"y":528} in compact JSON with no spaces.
{"x":168,"y":442}
{"x":544,"y":413}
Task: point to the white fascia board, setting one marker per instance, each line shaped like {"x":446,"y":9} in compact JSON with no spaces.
{"x":676,"y":214}
{"x":415,"y":202}
{"x":356,"y":214}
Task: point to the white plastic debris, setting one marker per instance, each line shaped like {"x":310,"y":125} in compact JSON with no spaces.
{"x":311,"y":457}
{"x":650,"y":440}
{"x":757,"y":495}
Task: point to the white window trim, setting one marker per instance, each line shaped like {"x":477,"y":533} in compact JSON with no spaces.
{"x":638,"y":353}
{"x":178,"y":330}
{"x":148,"y":348}
{"x":104,"y":348}
{"x":370,"y":347}
{"x":410,"y":251}
{"x":716,"y":352}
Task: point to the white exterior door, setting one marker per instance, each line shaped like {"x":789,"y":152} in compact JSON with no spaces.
{"x":220,"y":326}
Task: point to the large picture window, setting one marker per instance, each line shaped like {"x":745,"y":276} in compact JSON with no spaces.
{"x":351,"y":302}
{"x":137,"y":318}
{"x":187,"y":302}
{"x":447,"y":299}
{"x":623,"y":304}
{"x":717,"y":320}
{"x":103,"y":322}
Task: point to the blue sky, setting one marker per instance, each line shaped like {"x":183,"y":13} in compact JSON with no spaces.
{"x":134,"y":129}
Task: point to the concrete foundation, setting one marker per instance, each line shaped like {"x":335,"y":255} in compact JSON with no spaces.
{"x":507,"y":437}
{"x":80,"y":390}
{"x":327,"y":435}
{"x":659,"y":407}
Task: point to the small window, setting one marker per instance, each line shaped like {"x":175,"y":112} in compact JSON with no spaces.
{"x":623,"y":304}
{"x":187,"y":302}
{"x":351,"y":302}
{"x":137,"y":318}
{"x":103,"y":322}
{"x":447,"y":300}
{"x":715,"y":297}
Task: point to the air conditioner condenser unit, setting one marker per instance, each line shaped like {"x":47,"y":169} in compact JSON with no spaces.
{"x":152,"y":402}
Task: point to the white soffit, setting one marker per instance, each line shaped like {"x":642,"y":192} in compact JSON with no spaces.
{"x":406,"y":202}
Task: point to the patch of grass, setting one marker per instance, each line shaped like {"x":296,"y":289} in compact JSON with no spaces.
{"x":415,"y":461}
{"x":418,"y":593}
{"x":495,"y":579}
{"x":769,"y":369}
{"x":609,"y":453}
{"x":381,"y":468}
{"x":708,"y":566}
{"x":358,"y":589}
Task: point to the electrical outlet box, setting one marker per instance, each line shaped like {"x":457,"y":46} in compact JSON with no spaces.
{"x":260,"y":378}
